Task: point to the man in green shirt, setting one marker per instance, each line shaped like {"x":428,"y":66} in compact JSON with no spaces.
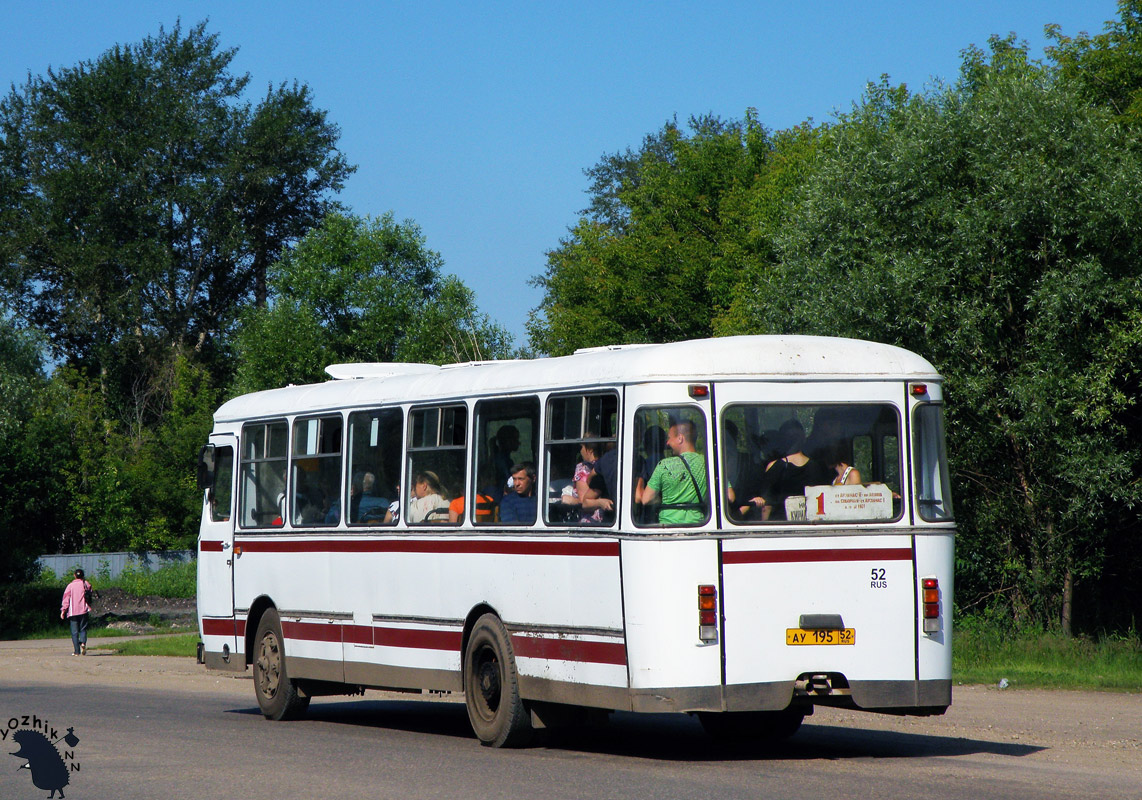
{"x":679,"y":481}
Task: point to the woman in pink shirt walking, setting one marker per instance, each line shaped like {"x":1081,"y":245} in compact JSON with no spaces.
{"x":75,"y":608}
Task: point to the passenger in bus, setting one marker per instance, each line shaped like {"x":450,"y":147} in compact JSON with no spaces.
{"x":519,"y":505}
{"x":788,"y":475}
{"x":844,"y":473}
{"x":485,"y":509}
{"x":828,"y":431}
{"x":680,"y":481}
{"x":428,"y":502}
{"x":605,"y":476}
{"x":593,"y":507}
{"x":372,"y":507}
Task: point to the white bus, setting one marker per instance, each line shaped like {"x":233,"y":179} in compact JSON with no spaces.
{"x":480,"y":528}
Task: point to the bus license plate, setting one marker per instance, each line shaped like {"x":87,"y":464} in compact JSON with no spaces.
{"x":836,"y":636}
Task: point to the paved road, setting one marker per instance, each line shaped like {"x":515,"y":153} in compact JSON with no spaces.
{"x":165,"y":728}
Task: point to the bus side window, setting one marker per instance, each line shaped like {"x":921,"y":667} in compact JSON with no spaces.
{"x":316,"y":473}
{"x":581,"y":430}
{"x":671,"y":490}
{"x":374,"y":465}
{"x":507,"y":436}
{"x":438,"y":438}
{"x":265,"y":451}
{"x":221,"y":492}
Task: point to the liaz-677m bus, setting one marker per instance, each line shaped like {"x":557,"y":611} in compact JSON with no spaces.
{"x":738,"y":528}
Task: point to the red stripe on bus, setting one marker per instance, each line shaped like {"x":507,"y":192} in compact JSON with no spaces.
{"x":474,"y":546}
{"x":569,"y":650}
{"x":420,"y":639}
{"x":450,"y":641}
{"x":364,"y":634}
{"x":357,"y":634}
{"x":207,"y":546}
{"x":219,"y":627}
{"x":806,"y":556}
{"x":312,"y":631}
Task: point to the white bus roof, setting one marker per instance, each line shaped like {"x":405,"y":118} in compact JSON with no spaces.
{"x":771,"y":358}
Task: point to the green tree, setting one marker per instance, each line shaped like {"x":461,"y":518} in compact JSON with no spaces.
{"x":1106,"y":67}
{"x":660,"y":249}
{"x":990,"y":225}
{"x":141,"y":200}
{"x":23,"y":474}
{"x":360,"y":289}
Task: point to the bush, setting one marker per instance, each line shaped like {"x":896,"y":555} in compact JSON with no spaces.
{"x":28,"y":608}
{"x":173,"y":580}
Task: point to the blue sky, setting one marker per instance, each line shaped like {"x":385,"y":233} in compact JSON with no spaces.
{"x":476,"y":120}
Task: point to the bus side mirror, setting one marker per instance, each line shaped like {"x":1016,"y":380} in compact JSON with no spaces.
{"x":206,"y":467}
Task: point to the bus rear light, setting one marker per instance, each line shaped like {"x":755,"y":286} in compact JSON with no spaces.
{"x":707,"y":613}
{"x":699,"y":391}
{"x":930,"y":595}
{"x":918,"y":389}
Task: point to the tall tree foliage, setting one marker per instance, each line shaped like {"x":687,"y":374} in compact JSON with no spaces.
{"x":25,"y":476}
{"x":142,"y":200}
{"x":659,"y":250}
{"x":991,"y":225}
{"x":1106,"y":67}
{"x":360,"y":289}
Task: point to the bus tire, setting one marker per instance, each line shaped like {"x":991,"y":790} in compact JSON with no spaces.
{"x":277,"y":693}
{"x":751,"y":726}
{"x":491,"y":687}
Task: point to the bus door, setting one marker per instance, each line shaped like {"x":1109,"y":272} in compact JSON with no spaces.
{"x":665,"y":569}
{"x":216,"y":547}
{"x":819,"y":589}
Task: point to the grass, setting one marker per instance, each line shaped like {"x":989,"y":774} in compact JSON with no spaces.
{"x":983,"y":652}
{"x":179,"y":645}
{"x":172,"y":580}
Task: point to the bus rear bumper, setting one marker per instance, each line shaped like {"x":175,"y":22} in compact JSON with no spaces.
{"x":921,"y":698}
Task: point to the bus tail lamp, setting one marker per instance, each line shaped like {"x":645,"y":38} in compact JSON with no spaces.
{"x":707,"y":613}
{"x":918,"y":389}
{"x":699,"y":391}
{"x":930,"y":590}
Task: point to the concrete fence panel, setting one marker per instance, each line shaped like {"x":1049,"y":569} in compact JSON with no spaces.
{"x":111,"y":565}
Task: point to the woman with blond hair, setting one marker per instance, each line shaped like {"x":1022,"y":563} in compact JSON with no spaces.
{"x":428,"y":495}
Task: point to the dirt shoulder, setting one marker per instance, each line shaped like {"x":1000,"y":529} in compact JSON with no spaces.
{"x":116,"y":610}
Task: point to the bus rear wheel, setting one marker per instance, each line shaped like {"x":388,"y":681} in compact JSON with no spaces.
{"x":491,"y":687}
{"x":751,"y":726}
{"x":277,"y":693}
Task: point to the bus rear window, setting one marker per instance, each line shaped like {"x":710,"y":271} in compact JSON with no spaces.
{"x":811,"y":463}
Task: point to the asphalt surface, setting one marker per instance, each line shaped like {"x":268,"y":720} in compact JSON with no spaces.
{"x":166,"y":728}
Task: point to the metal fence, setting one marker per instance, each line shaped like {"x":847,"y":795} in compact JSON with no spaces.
{"x":109,"y":566}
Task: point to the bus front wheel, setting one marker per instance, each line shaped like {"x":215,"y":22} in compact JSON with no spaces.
{"x":491,"y":687}
{"x":277,"y":693}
